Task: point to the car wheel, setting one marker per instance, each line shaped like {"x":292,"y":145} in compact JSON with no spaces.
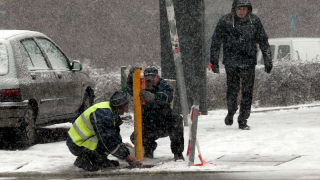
{"x":27,"y":130}
{"x":86,"y":103}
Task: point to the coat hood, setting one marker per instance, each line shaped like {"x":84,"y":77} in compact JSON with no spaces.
{"x":240,"y":3}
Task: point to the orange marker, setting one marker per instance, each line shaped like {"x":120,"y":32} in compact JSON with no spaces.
{"x":137,"y":115}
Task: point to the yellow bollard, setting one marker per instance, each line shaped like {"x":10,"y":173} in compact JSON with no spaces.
{"x":137,"y":116}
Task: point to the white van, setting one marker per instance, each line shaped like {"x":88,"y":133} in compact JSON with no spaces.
{"x":293,"y":49}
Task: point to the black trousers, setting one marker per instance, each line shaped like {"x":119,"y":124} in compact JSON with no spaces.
{"x":96,"y":156}
{"x":173,"y":128}
{"x":236,"y":78}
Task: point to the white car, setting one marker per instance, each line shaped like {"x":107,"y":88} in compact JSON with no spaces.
{"x":293,"y":49}
{"x":38,"y":83}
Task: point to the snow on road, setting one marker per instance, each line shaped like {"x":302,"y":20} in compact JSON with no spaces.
{"x":278,"y":140}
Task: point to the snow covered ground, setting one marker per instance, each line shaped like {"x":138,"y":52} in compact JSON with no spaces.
{"x":284,"y":140}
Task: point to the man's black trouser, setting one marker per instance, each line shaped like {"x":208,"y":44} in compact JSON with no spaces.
{"x":173,"y":128}
{"x":236,"y":78}
{"x":95,"y":156}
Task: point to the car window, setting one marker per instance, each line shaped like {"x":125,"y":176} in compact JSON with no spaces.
{"x":284,"y":52}
{"x":4,"y":65}
{"x":26,"y":55}
{"x":57,"y":59}
{"x":33,"y":55}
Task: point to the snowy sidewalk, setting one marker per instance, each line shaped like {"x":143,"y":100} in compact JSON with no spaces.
{"x":281,"y":141}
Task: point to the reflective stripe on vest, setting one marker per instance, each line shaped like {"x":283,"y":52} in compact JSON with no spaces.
{"x":82,"y":132}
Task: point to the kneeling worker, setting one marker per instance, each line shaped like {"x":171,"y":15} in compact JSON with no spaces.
{"x":158,"y":119}
{"x":96,"y":133}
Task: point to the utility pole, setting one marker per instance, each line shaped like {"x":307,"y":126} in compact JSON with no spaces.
{"x":190,"y":27}
{"x":177,"y":60}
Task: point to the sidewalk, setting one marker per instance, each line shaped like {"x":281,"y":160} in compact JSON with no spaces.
{"x":283,"y":143}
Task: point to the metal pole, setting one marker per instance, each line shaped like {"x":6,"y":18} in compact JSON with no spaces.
{"x":123,"y":79}
{"x":137,"y":116}
{"x":194,"y":127}
{"x":177,"y":61}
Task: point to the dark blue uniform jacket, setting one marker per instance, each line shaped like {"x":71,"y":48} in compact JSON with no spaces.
{"x":155,"y":112}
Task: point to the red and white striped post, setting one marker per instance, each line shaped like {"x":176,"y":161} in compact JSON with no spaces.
{"x":191,"y":151}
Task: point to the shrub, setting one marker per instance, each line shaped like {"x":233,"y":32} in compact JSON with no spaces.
{"x":107,"y":83}
{"x":287,"y":84}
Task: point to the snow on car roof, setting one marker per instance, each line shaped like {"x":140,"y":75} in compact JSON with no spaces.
{"x":4,"y":34}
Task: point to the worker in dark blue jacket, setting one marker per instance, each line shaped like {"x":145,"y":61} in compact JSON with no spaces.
{"x":158,"y":119}
{"x":96,"y":133}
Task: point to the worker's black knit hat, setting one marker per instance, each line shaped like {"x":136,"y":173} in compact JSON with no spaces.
{"x":118,"y":100}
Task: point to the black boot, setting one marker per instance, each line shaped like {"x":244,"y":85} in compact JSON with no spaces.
{"x":148,"y":153}
{"x":228,"y":120}
{"x":85,"y":164}
{"x":107,"y":163}
{"x":243,"y":124}
{"x":114,"y":163}
{"x":178,"y":156}
{"x":244,"y":127}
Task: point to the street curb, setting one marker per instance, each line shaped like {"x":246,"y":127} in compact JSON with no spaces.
{"x":100,"y":174}
{"x":284,"y":108}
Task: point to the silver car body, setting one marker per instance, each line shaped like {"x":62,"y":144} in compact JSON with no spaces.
{"x":55,"y":89}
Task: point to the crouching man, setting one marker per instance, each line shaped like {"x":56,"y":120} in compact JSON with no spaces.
{"x":96,"y":133}
{"x":158,"y":119}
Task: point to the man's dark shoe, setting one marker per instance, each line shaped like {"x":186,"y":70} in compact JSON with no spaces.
{"x":244,"y":127}
{"x":228,"y":120}
{"x":85,"y":164}
{"x":108,"y":164}
{"x":178,"y":157}
{"x":148,"y":154}
{"x":243,"y":123}
{"x":115,"y":163}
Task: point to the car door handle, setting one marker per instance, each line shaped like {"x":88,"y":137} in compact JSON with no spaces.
{"x":59,"y":76}
{"x":33,"y":76}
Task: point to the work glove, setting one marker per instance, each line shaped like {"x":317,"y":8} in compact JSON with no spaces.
{"x":133,"y":68}
{"x":209,"y":66}
{"x":146,"y":95}
{"x":133,"y":161}
{"x":268,"y":67}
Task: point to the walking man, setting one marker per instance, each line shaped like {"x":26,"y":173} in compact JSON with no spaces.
{"x":239,"y":32}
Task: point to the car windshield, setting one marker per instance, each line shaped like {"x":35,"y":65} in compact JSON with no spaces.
{"x":3,"y":60}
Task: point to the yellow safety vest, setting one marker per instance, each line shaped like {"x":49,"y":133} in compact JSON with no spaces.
{"x":82,"y":132}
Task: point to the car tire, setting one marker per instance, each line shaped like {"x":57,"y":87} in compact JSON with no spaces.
{"x":27,"y":130}
{"x":86,"y":103}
